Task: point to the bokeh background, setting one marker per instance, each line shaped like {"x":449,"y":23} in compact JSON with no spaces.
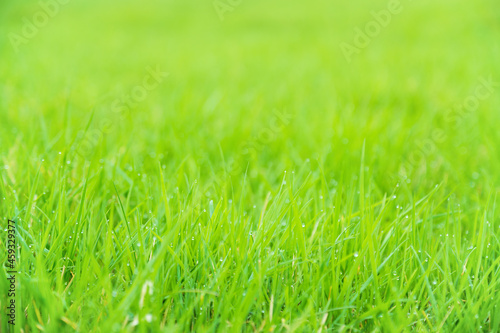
{"x":248,"y":90}
{"x":228,"y":70}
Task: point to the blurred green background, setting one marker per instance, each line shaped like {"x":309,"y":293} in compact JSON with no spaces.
{"x":252,"y":92}
{"x":226,"y":76}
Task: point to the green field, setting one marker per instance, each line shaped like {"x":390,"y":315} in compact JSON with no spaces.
{"x":250,"y":166}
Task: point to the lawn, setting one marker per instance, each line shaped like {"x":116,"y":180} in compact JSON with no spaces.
{"x":249,"y":166}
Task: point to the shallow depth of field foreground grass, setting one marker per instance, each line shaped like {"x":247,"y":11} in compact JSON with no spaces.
{"x":267,"y":166}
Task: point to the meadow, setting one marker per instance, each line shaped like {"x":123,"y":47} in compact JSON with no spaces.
{"x":250,"y":166}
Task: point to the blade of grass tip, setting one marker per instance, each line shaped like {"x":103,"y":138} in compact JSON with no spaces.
{"x":79,"y":218}
{"x":362,"y":182}
{"x":374,"y":273}
{"x":426,"y":280}
{"x":129,"y":196}
{"x":32,"y":195}
{"x":481,"y":235}
{"x":84,"y":132}
{"x":126,"y":223}
{"x":263,"y":212}
{"x":414,"y":224}
{"x":66,"y":123}
{"x":241,"y":206}
{"x":164,"y":196}
{"x":297,"y":223}
{"x":223,"y":159}
{"x":61,"y":204}
{"x":372,"y":252}
{"x":149,"y":270}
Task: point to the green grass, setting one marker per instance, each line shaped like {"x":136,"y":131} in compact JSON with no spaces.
{"x":267,"y":183}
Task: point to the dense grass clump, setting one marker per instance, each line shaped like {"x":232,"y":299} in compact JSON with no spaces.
{"x":253,"y":166}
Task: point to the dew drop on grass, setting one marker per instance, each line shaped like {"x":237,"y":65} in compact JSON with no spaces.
{"x":356,"y":254}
